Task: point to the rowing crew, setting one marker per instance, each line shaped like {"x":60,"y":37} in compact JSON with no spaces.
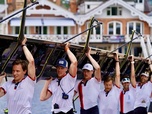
{"x":130,"y":98}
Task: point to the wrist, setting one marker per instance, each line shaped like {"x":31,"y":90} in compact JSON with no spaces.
{"x":132,"y":62}
{"x":66,"y":49}
{"x":23,"y":45}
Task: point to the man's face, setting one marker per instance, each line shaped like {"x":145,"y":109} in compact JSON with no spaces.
{"x":125,"y":85}
{"x":87,"y":74}
{"x":18,"y":73}
{"x":143,"y":79}
{"x":61,"y":71}
{"x":108,"y":85}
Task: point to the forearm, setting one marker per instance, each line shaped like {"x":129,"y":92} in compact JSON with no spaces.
{"x":133,"y":79}
{"x":71,"y":56}
{"x":93,"y":62}
{"x":44,"y":93}
{"x":150,"y":66}
{"x":28,"y":54}
{"x":117,"y":77}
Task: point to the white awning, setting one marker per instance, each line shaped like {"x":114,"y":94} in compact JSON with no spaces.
{"x":28,"y":22}
{"x":58,"y":22}
{"x":43,"y":22}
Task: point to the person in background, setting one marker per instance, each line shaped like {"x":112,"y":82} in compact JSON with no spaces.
{"x":88,"y":88}
{"x":109,"y":97}
{"x":20,"y":90}
{"x":62,"y":88}
{"x":143,"y":92}
{"x":127,"y":95}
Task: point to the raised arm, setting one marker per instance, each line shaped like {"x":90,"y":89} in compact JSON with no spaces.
{"x":45,"y":93}
{"x":117,"y":74}
{"x":29,"y":57}
{"x":2,"y":91}
{"x":133,"y":78}
{"x":97,"y":72}
{"x":73,"y":65}
{"x":150,"y":66}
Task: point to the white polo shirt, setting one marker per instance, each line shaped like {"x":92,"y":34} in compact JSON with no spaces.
{"x":143,"y":95}
{"x":67,"y":83}
{"x":19,"y":99}
{"x":127,"y":99}
{"x":88,"y":93}
{"x":109,"y":103}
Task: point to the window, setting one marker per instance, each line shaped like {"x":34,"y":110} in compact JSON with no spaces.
{"x":65,"y":30}
{"x":113,"y":11}
{"x":114,"y":28}
{"x":17,"y":30}
{"x":134,"y":26}
{"x":38,"y":30}
{"x":62,"y":30}
{"x":95,"y":30}
{"x":58,"y":30}
{"x":2,"y":1}
{"x":41,"y":30}
{"x":137,"y":51}
{"x":88,"y":6}
{"x":98,"y":30}
{"x":45,"y":30}
{"x":138,"y":1}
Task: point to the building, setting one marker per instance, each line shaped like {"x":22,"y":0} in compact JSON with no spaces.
{"x":59,"y":20}
{"x":3,"y":13}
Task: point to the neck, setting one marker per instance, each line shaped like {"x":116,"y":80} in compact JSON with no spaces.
{"x":125,"y":90}
{"x":60,"y":77}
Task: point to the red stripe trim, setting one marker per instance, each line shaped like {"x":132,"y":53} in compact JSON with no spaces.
{"x":72,"y":76}
{"x":49,"y":91}
{"x":3,"y":90}
{"x":32,"y":78}
{"x":121,"y":102}
{"x":134,"y":86}
{"x":117,"y":86}
{"x":81,"y":95}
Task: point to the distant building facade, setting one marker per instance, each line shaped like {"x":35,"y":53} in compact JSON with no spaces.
{"x":58,"y":20}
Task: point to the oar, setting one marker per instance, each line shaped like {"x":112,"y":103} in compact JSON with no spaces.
{"x":127,"y":54}
{"x":46,"y":62}
{"x":33,"y":3}
{"x":81,"y":58}
{"x":19,"y":39}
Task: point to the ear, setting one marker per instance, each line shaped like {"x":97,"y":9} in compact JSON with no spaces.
{"x":25,"y":71}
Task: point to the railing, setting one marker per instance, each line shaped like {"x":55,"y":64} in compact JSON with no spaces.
{"x":82,"y":38}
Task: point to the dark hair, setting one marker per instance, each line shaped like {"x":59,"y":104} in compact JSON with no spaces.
{"x":23,"y":63}
{"x":108,"y":78}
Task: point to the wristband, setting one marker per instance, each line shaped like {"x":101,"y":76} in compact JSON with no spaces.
{"x":23,"y":45}
{"x":132,"y":62}
{"x":117,"y":61}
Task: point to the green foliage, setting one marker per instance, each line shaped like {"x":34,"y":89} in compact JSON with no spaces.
{"x":66,"y":4}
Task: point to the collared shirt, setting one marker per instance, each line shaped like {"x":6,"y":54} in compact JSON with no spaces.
{"x":67,"y":84}
{"x":19,"y":97}
{"x":109,"y":102}
{"x":143,"y":95}
{"x":127,"y":99}
{"x":88,"y":93}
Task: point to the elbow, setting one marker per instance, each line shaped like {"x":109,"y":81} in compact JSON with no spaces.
{"x":42,"y":99}
{"x":75,"y":63}
{"x":98,"y":68}
{"x":31,"y":60}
